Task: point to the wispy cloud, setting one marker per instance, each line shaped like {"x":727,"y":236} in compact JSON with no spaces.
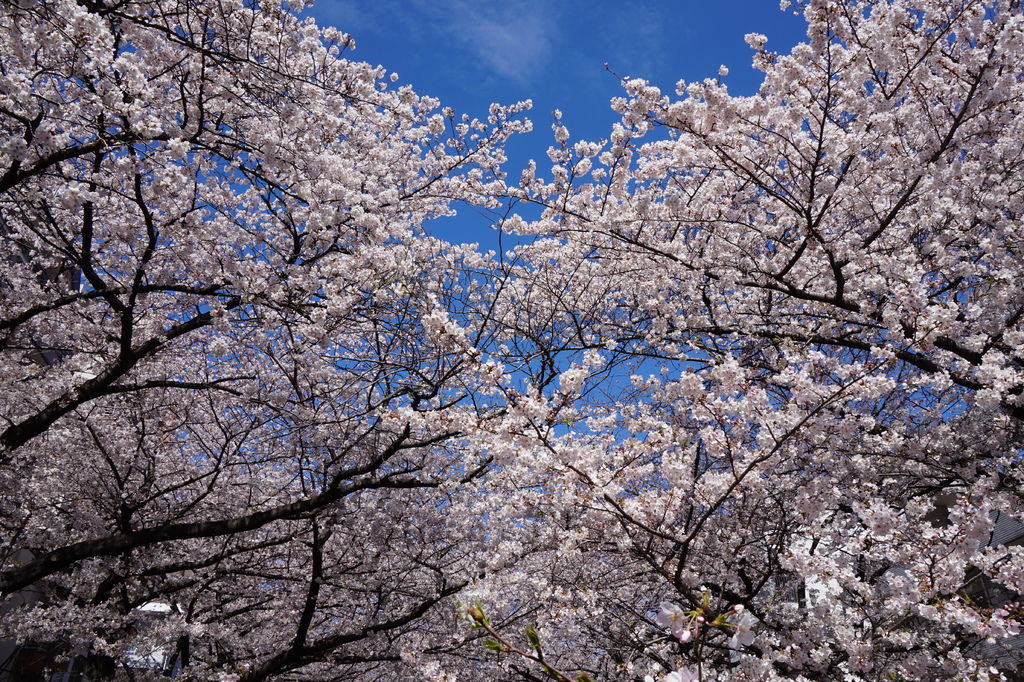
{"x":511,"y":40}
{"x":514,"y":39}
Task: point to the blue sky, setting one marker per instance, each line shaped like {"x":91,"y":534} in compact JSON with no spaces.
{"x":469,"y":54}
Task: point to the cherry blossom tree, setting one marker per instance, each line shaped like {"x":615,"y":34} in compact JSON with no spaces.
{"x":239,"y":380}
{"x":819,"y":290}
{"x":743,"y":403}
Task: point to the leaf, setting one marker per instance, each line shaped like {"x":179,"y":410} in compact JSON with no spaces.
{"x":553,"y":673}
{"x":493,"y":645}
{"x":531,"y":634}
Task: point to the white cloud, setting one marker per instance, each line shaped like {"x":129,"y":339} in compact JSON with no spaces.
{"x":512,"y":39}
